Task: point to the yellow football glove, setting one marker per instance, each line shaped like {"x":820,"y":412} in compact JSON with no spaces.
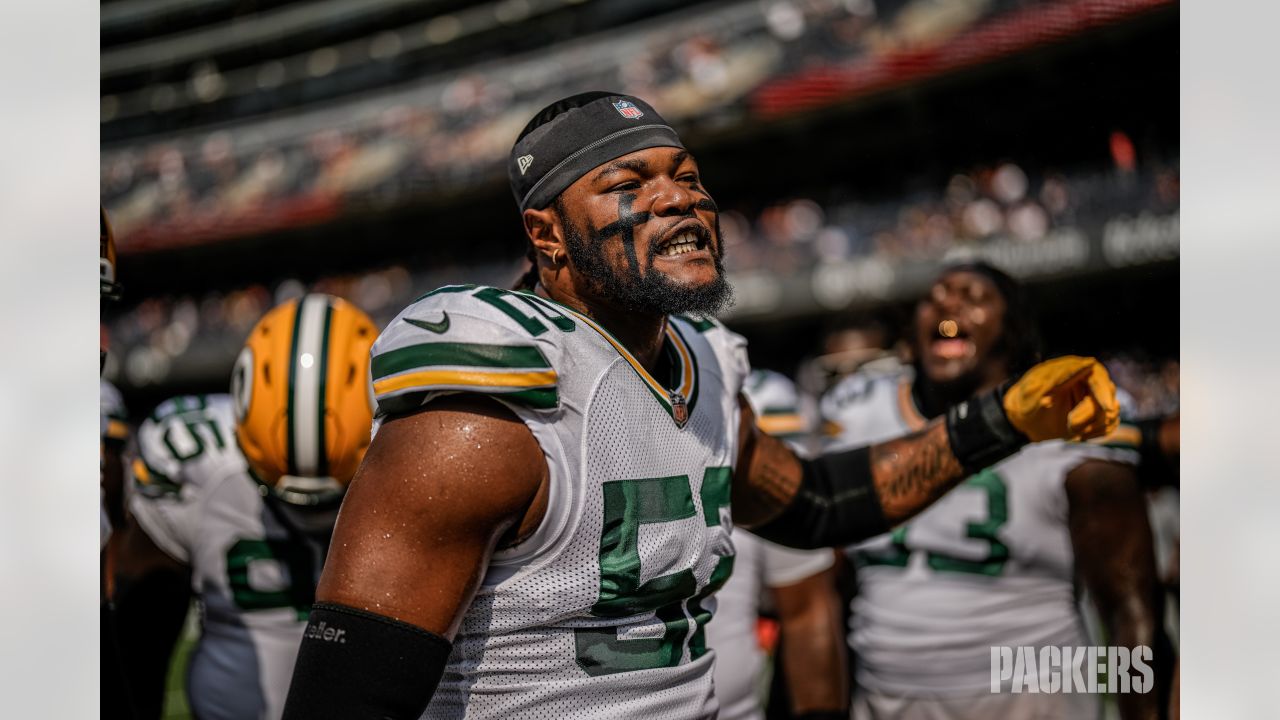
{"x":1068,"y":397}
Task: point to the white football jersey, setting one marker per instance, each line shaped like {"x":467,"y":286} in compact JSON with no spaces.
{"x":759,"y":564}
{"x":600,"y":614}
{"x":740,"y":662}
{"x":252,"y":568}
{"x":989,"y":564}
{"x":776,"y":404}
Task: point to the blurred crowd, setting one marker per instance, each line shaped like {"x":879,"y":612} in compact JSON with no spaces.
{"x":1152,"y":384}
{"x":988,"y":203}
{"x":993,"y":202}
{"x":453,"y":131}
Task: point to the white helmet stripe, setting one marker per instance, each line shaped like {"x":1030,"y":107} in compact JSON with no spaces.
{"x":308,"y":380}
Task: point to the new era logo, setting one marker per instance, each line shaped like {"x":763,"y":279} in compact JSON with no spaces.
{"x":523,"y":162}
{"x":627,"y":110}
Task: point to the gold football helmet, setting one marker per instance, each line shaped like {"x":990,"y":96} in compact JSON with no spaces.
{"x":303,"y":408}
{"x":110,"y":288}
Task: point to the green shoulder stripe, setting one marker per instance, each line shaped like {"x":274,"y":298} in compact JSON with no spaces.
{"x":456,"y":354}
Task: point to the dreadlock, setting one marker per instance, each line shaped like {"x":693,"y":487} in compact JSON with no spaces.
{"x":1019,"y":343}
{"x":529,"y":280}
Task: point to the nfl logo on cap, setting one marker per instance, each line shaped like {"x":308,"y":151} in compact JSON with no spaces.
{"x":627,"y":110}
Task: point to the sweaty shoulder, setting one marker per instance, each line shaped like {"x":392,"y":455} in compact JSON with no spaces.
{"x":185,"y":443}
{"x":729,"y":347}
{"x":471,"y":339}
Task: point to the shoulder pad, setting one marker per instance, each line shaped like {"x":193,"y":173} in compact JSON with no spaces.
{"x":729,"y":346}
{"x":858,"y":387}
{"x":1075,"y":453}
{"x":180,"y":434}
{"x":466,"y":338}
{"x":1124,"y":437}
{"x":776,"y":403}
{"x":702,"y":324}
{"x":770,"y":392}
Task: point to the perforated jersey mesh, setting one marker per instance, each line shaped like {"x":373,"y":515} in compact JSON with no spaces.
{"x":517,"y":654}
{"x":252,"y":624}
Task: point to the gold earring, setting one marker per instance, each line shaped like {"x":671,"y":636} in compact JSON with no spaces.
{"x":555,"y":254}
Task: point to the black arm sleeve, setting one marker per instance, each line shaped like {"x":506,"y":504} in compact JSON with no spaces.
{"x":980,"y":433}
{"x":355,"y":665}
{"x":835,"y":505}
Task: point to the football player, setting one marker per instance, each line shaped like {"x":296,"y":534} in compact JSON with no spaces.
{"x":800,"y":585}
{"x":540,"y":519}
{"x":238,"y":495}
{"x":113,"y":690}
{"x":995,"y":562}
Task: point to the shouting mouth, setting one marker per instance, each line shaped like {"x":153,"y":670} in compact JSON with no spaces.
{"x":951,"y":342}
{"x":685,"y":238}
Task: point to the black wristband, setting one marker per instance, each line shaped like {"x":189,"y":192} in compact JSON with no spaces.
{"x":980,"y":433}
{"x":836,"y":504}
{"x":355,"y":664}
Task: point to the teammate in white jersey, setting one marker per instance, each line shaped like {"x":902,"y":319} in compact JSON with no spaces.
{"x":237,"y":494}
{"x":800,"y":584}
{"x":996,"y":561}
{"x":543,"y":514}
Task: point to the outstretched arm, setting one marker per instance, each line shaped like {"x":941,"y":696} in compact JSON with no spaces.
{"x":841,"y":498}
{"x":438,"y":492}
{"x":906,"y":475}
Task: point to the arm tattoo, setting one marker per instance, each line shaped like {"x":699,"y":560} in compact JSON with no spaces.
{"x":775,"y":483}
{"x":912,"y":472}
{"x":772,"y":475}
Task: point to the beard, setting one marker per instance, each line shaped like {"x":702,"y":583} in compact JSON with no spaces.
{"x":647,"y":292}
